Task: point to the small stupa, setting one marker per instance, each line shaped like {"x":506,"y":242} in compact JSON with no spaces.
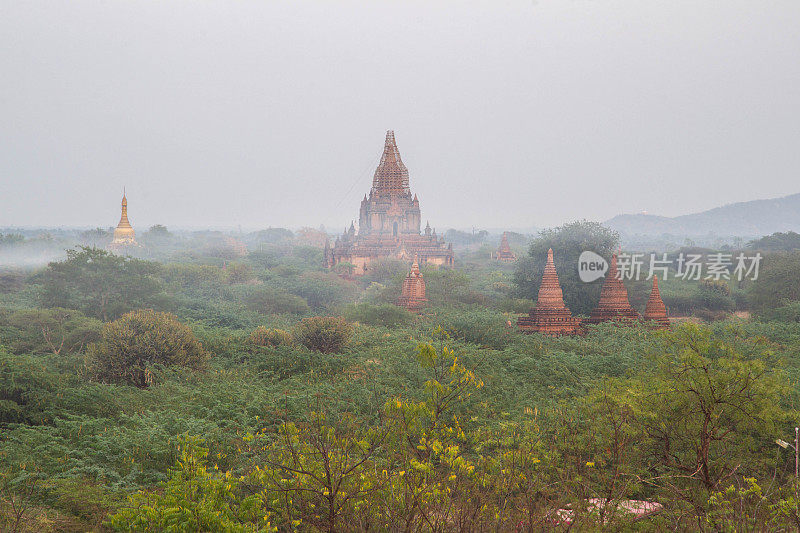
{"x":550,"y":316}
{"x":412,"y":296}
{"x":614,"y":304}
{"x":655,"y":313}
{"x":123,"y":234}
{"x":504,"y":253}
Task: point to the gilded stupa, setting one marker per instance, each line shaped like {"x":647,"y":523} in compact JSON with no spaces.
{"x":123,"y":233}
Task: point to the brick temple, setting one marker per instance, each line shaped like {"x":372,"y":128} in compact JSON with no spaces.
{"x":614,"y":304}
{"x":389,"y":222}
{"x":412,"y":296}
{"x":655,"y":313}
{"x":504,"y":252}
{"x":550,"y":316}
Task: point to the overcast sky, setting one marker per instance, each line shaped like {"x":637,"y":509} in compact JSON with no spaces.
{"x":507,"y":114}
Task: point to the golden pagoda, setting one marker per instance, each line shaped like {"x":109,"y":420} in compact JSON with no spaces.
{"x":123,"y":233}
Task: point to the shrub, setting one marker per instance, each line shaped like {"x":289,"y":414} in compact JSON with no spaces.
{"x":324,"y":334}
{"x":377,"y":315}
{"x":53,"y":331}
{"x":137,"y":341}
{"x":263,"y":336}
{"x":270,"y":301}
{"x":478,"y":326}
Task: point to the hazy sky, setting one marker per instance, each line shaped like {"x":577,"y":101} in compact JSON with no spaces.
{"x":507,"y":114}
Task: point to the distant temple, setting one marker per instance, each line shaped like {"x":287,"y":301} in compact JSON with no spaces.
{"x":123,"y":234}
{"x":413,"y":295}
{"x":655,"y":313}
{"x":550,"y":316}
{"x":504,"y":253}
{"x":389,"y":222}
{"x":614,"y":304}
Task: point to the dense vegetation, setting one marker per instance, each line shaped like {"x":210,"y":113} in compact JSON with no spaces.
{"x":261,"y":392}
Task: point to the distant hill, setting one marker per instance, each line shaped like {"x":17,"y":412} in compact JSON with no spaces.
{"x":743,"y":219}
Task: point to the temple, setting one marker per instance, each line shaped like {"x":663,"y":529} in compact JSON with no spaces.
{"x":504,"y":253}
{"x":389,"y":222}
{"x":550,"y":316}
{"x":655,"y":313}
{"x":123,"y":234}
{"x":614,"y":304}
{"x":412,"y":296}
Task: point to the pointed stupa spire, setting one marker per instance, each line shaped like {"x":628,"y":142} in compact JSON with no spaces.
{"x":412,"y":296}
{"x":655,"y":310}
{"x":391,"y":176}
{"x":504,"y":252}
{"x":550,"y":294}
{"x":123,"y":233}
{"x":550,"y":316}
{"x":613,"y":304}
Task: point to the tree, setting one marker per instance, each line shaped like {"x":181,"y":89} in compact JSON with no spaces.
{"x":325,"y":334}
{"x":269,"y":300}
{"x":52,"y":330}
{"x":101,"y":284}
{"x":194,"y":499}
{"x":707,"y":407}
{"x":568,"y":242}
{"x":137,"y":341}
{"x":777,"y":284}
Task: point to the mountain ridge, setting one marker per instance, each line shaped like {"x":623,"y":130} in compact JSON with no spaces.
{"x":752,"y":218}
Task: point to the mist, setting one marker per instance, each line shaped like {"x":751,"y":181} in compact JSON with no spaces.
{"x":519,"y":115}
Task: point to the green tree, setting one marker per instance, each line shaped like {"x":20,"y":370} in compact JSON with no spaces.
{"x":777,"y":283}
{"x":194,"y":499}
{"x":568,"y":242}
{"x":137,"y":341}
{"x":325,"y":334}
{"x":101,"y":284}
{"x":50,"y":331}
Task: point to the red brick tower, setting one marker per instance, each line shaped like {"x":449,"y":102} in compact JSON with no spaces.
{"x":614,"y":304}
{"x":550,"y":316}
{"x":413,"y":294}
{"x":656,"y":312}
{"x":504,"y":253}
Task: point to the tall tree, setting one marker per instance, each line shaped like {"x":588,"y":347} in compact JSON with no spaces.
{"x":568,"y":242}
{"x":102,"y":284}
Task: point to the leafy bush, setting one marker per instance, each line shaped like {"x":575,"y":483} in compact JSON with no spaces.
{"x":263,"y":336}
{"x":271,"y":301}
{"x":377,"y":315}
{"x":137,"y":341}
{"x":787,"y":313}
{"x":777,"y":284}
{"x":324,"y":334}
{"x":478,"y":326}
{"x":49,"y":331}
{"x":102,"y":284}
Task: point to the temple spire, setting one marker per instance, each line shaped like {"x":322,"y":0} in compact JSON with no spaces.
{"x":613,"y":304}
{"x":550,"y":316}
{"x":391,"y":176}
{"x":655,"y":310}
